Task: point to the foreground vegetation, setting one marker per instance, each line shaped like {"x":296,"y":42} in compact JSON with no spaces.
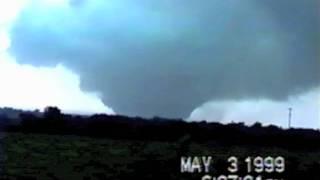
{"x":56,"y":146}
{"x":44,"y":157}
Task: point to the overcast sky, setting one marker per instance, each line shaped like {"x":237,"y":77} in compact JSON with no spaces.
{"x":216,"y":60}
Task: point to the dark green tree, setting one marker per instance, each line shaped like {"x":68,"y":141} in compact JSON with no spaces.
{"x":52,"y":113}
{"x":54,"y":120}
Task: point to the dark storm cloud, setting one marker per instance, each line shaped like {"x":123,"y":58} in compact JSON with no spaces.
{"x":168,"y":57}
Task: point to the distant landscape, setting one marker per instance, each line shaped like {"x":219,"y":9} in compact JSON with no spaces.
{"x":53,"y":145}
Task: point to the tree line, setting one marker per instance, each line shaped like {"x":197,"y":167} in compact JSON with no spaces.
{"x":53,"y":121}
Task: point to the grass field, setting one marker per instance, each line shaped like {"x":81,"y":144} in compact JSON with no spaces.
{"x":44,"y":157}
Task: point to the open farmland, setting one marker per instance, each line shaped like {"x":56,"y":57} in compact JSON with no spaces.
{"x":40,"y":156}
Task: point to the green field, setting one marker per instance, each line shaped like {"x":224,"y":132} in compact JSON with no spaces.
{"x":35,"y":156}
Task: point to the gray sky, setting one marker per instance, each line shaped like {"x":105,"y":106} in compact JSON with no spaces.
{"x":168,"y":57}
